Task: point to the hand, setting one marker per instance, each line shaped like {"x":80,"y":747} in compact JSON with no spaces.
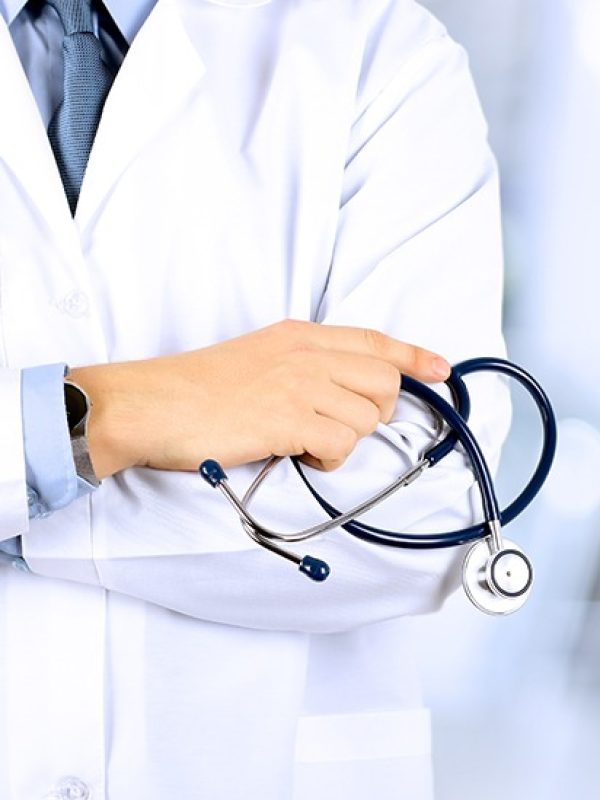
{"x":293,"y":388}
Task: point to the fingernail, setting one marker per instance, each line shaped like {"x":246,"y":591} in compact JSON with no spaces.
{"x":440,"y":368}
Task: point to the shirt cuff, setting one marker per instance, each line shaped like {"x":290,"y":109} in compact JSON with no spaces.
{"x":52,"y":481}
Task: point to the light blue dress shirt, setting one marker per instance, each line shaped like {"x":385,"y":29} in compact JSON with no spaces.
{"x":37,"y":33}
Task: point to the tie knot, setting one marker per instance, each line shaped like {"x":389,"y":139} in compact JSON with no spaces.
{"x":75,"y":15}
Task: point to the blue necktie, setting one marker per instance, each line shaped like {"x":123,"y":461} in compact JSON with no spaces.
{"x":87,"y":80}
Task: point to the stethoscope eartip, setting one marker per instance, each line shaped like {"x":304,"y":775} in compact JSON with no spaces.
{"x":316,"y":569}
{"x":212,"y":472}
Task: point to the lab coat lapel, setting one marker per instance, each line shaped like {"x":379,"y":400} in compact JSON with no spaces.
{"x":25,"y":149}
{"x":161,"y":70}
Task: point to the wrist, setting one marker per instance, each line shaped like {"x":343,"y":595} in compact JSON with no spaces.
{"x":78,"y":406}
{"x":106,"y":426}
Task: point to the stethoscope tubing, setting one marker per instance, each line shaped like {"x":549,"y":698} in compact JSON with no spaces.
{"x":480,"y":469}
{"x":550,"y":432}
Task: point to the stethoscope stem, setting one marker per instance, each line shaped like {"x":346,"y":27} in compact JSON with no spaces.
{"x":215,"y":475}
{"x":495,"y":537}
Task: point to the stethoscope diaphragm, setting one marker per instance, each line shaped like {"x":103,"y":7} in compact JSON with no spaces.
{"x":497,"y":582}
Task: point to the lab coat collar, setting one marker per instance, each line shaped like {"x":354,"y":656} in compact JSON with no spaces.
{"x":26,"y":149}
{"x":160,"y":72}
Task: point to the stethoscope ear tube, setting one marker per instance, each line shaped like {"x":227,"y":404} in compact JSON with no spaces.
{"x":214,"y":474}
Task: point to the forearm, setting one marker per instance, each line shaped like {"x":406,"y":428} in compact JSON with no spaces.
{"x":293,"y":388}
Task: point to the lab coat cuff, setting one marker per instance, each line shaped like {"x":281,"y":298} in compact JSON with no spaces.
{"x":50,"y":470}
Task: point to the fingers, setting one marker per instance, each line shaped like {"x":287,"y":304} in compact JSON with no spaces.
{"x":407,"y":358}
{"x":343,"y":394}
{"x":377,"y":380}
{"x":328,"y":442}
{"x":351,"y":409}
{"x":320,"y":464}
{"x":342,"y":418}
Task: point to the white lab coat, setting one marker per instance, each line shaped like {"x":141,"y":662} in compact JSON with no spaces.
{"x":315,"y":159}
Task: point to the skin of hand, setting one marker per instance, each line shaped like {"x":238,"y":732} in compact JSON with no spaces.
{"x":292,"y":388}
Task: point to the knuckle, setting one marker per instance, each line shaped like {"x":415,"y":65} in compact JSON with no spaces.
{"x":287,"y":325}
{"x":292,"y":329}
{"x":332,"y":444}
{"x":295,"y":447}
{"x":387,"y":413}
{"x":375,"y":340}
{"x":296,"y":338}
{"x":301,"y":350}
{"x":331,"y":464}
{"x":369,"y":419}
{"x":287,"y":435}
{"x":386,"y":389}
{"x":390,"y":379}
{"x":345,"y":443}
{"x":337,"y":444}
{"x":413,"y":357}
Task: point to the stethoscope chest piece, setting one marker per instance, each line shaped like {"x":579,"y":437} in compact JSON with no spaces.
{"x":497,"y":582}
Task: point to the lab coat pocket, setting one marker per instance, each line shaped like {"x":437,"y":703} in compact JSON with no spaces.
{"x":374,"y":754}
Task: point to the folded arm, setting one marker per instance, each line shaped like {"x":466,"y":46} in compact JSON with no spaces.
{"x":418,"y":256}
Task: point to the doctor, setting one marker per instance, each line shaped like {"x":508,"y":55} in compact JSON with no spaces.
{"x":255,"y":162}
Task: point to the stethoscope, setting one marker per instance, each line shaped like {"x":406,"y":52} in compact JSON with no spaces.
{"x":497,"y":575}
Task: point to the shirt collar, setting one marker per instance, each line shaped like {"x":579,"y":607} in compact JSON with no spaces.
{"x":129,"y":15}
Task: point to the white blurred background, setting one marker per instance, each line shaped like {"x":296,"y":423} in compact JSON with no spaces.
{"x":516,"y":700}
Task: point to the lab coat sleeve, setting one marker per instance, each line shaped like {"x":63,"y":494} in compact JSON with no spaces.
{"x":417,"y":255}
{"x":13,"y":490}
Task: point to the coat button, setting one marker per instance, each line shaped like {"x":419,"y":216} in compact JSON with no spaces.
{"x":37,"y":509}
{"x":69,"y":788}
{"x":75,"y":304}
